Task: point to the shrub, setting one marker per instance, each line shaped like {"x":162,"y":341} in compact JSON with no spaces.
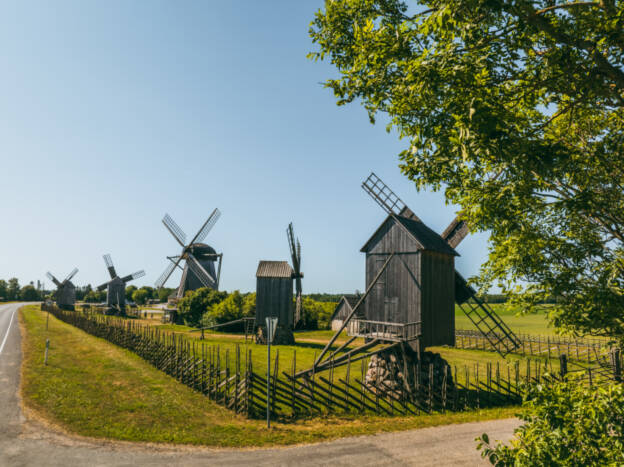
{"x":565,"y":424}
{"x":195,"y":303}
{"x":140,"y":296}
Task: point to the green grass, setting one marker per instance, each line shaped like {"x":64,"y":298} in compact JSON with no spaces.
{"x":93,"y":388}
{"x":534,"y":323}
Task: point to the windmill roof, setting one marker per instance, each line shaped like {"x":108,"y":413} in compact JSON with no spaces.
{"x":274,"y":269}
{"x":351,"y":300}
{"x":426,"y":238}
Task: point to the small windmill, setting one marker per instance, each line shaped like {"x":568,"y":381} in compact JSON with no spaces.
{"x":295,"y":254}
{"x":116,"y":287}
{"x":65,"y":291}
{"x":199,"y":268}
{"x":274,"y":293}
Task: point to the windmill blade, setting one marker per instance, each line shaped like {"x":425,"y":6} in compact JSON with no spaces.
{"x":207,"y":227}
{"x":109,"y":266}
{"x":175,"y":260}
{"x":103,"y":286}
{"x":199,"y":271}
{"x":455,"y":232}
{"x":167,"y":272}
{"x":134,"y":275}
{"x":293,"y":248}
{"x":53,"y":279}
{"x":70,"y":275}
{"x":175,"y":230}
{"x":386,"y":198}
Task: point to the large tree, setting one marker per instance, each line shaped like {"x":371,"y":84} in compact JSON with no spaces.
{"x":515,"y":109}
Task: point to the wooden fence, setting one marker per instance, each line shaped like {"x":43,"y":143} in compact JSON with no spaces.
{"x":228,"y":376}
{"x":582,"y":350}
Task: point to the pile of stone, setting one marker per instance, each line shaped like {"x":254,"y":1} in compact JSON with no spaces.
{"x":386,"y":373}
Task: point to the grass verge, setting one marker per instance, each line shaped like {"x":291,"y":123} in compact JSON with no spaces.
{"x":93,"y":388}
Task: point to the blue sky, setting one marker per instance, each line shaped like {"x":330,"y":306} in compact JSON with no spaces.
{"x":116,"y":112}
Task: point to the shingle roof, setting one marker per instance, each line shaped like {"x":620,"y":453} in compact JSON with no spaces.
{"x":274,"y":269}
{"x":424,"y":236}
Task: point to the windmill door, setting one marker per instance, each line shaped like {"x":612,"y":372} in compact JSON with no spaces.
{"x":391,"y":309}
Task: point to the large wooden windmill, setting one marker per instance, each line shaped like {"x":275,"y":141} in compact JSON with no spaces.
{"x":274,"y":293}
{"x":199,"y":259}
{"x":65,"y":294}
{"x":412,"y":287}
{"x":116,"y":287}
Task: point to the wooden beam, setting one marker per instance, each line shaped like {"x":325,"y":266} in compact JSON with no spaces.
{"x":344,"y":323}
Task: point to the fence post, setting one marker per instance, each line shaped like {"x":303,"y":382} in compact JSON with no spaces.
{"x":617,"y":365}
{"x":563,"y":365}
{"x":45,"y":357}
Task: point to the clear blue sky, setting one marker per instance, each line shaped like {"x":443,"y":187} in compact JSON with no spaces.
{"x":116,"y":112}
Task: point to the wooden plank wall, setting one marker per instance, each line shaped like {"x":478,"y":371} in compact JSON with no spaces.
{"x":274,"y":297}
{"x":438,"y":302}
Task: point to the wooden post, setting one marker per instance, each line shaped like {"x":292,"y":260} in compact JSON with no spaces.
{"x":47,"y":347}
{"x":617,"y":365}
{"x":563,"y":365}
{"x":430,"y":387}
{"x":444,"y":388}
{"x":293,"y":406}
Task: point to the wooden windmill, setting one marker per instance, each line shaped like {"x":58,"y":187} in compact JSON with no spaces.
{"x":116,"y":287}
{"x":65,"y":294}
{"x":412,"y":287}
{"x":199,"y":268}
{"x":274,"y":293}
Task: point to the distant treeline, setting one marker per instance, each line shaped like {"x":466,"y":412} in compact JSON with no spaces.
{"x":138,"y":295}
{"x":11,"y":290}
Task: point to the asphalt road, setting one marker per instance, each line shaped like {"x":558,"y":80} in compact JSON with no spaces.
{"x":27,"y":443}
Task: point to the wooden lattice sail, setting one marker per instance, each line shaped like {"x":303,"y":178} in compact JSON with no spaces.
{"x":199,"y":269}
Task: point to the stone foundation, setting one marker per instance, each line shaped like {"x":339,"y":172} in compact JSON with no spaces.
{"x":386,"y":371}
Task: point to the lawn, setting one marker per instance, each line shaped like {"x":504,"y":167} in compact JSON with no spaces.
{"x":93,"y":388}
{"x":533,"y":323}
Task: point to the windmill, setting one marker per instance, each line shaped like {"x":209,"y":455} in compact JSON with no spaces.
{"x":199,"y":268}
{"x":274,"y":293}
{"x":116,"y":287}
{"x":65,"y":291}
{"x":295,"y":254}
{"x":412,"y":288}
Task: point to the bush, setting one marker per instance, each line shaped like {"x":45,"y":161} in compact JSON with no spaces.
{"x":566,"y":424}
{"x":315,"y":315}
{"x":230,"y":309}
{"x":95,"y":296}
{"x":140,"y":296}
{"x":195,"y":303}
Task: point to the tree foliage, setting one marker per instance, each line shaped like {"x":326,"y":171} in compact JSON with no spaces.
{"x":195,"y":303}
{"x":28,"y":293}
{"x":140,"y":296}
{"x":565,"y":424}
{"x":515,"y":109}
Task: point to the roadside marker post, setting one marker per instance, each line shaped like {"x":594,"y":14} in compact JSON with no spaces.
{"x":271,"y":324}
{"x":45,"y":358}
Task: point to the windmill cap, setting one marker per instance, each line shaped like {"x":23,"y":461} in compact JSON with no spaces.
{"x":200,"y":249}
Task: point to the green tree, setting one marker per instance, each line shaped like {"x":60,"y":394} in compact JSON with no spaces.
{"x":140,"y":296}
{"x":229,"y":309}
{"x":28,"y":293}
{"x":515,"y":109}
{"x":129,"y":291}
{"x":565,"y":424}
{"x":163,"y":293}
{"x":3,"y":290}
{"x":13,"y":289}
{"x":195,"y":303}
{"x":249,"y":305}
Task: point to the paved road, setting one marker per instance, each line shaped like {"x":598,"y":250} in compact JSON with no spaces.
{"x":25,"y":443}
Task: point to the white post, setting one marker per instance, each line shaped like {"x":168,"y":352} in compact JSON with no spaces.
{"x":271,"y":324}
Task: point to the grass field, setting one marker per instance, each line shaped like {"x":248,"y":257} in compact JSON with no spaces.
{"x":534,"y":323}
{"x":93,"y":388}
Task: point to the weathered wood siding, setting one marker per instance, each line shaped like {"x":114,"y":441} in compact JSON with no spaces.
{"x":396,"y":295}
{"x":417,"y":285}
{"x":438,"y":298}
{"x":116,"y":293}
{"x":274,"y":297}
{"x":66,"y":296}
{"x":342,"y":311}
